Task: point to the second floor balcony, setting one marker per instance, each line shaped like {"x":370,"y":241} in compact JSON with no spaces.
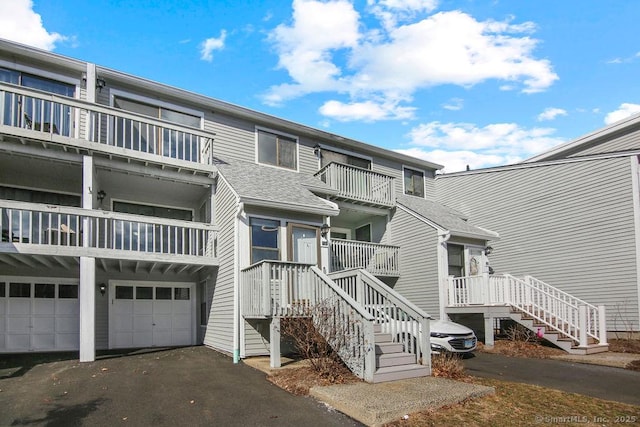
{"x":377,"y":259}
{"x":33,"y":113}
{"x":358,"y":185}
{"x":40,"y":229}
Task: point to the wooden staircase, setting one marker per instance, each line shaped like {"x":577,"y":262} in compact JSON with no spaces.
{"x":392,"y":362}
{"x":556,"y":336}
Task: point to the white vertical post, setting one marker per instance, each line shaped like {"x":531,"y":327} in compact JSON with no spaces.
{"x":87,"y":271}
{"x":266,"y":289}
{"x":602,"y":324}
{"x":274,"y":343}
{"x":582,"y":324}
{"x":369,"y":351}
{"x":489,"y":339}
{"x":425,"y":342}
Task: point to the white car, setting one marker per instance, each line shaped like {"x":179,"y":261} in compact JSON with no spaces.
{"x":446,"y":336}
{"x":451,"y":337}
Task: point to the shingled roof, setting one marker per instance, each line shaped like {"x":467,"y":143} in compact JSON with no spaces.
{"x":445,"y":218}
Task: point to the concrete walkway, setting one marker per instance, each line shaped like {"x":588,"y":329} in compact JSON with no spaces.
{"x":377,"y":404}
{"x":609,"y":358}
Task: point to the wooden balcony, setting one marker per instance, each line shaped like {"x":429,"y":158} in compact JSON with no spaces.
{"x":358,"y":185}
{"x":39,"y":229}
{"x":30,"y":113}
{"x":377,"y":259}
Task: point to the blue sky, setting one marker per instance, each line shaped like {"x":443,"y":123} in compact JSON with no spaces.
{"x":466,"y":82}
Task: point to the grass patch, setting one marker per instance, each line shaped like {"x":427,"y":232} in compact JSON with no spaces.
{"x":517,"y":404}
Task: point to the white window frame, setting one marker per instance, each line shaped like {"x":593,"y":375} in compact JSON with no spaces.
{"x":286,"y":135}
{"x":424,"y":181}
{"x":345,"y":152}
{"x":346,"y":231}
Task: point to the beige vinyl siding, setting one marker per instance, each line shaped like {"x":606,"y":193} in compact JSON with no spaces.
{"x":418,"y":243}
{"x":256,"y":337}
{"x":570,"y":225}
{"x":234,"y":138}
{"x":220,"y":287}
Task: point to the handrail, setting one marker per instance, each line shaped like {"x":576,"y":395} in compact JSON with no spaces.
{"x":405,"y":321}
{"x":41,"y":224}
{"x":286,"y":289}
{"x":359,"y":184}
{"x":557,"y":309}
{"x":378,"y":259}
{"x":55,"y":114}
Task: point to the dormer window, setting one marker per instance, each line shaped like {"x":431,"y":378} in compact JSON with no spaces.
{"x":413,"y":182}
{"x":277,"y":150}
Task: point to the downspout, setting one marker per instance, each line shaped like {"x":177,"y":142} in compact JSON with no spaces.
{"x":236,"y":285}
{"x":443,"y":238}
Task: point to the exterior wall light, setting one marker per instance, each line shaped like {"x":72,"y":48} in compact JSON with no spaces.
{"x":103,"y":288}
{"x":324,"y":230}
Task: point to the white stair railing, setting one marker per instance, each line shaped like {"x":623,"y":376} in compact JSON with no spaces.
{"x":378,"y":259}
{"x":556,"y":309}
{"x":286,"y":289}
{"x":398,"y":316}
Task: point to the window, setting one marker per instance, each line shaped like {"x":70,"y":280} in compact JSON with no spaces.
{"x":35,"y":113}
{"x":264,"y":239}
{"x":150,"y":210}
{"x":413,"y":182}
{"x":329,"y":156}
{"x":455,"y":255}
{"x":45,"y":290}
{"x":124,"y":292}
{"x":2,"y":291}
{"x":163,"y":293}
{"x":34,"y":196}
{"x":144,"y":292}
{"x":181,"y":294}
{"x":277,"y":150}
{"x":20,"y":290}
{"x":68,"y":291}
{"x":363,"y":234}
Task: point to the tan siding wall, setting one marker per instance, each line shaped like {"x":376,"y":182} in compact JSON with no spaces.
{"x":256,"y":337}
{"x":418,"y":243}
{"x":570,"y":225}
{"x":220,"y":287}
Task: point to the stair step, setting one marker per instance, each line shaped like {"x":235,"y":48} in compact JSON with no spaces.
{"x":393,"y":373}
{"x":382,"y":337}
{"x":389,"y":347}
{"x":394,"y":359}
{"x":377,"y":328}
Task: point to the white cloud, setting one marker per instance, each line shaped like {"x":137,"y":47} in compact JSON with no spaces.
{"x":551,"y":113}
{"x":326,"y":48}
{"x":454,"y":104}
{"x":367,"y":111}
{"x":624,"y":110}
{"x":456,"y":144}
{"x":20,"y":23}
{"x":209,"y":45}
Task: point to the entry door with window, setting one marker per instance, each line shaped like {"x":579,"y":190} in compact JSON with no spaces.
{"x":474,"y":266}
{"x":304,"y":244}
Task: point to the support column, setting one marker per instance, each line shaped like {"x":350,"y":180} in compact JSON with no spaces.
{"x":87,"y":309}
{"x":489,"y":339}
{"x":274,"y":343}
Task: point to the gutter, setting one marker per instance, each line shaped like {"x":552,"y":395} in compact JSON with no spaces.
{"x":331,"y":210}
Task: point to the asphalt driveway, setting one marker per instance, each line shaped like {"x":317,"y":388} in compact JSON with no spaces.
{"x":185,"y":386}
{"x":604,"y":382}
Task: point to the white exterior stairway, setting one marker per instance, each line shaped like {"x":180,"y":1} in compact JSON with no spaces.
{"x":357,"y":314}
{"x":568,"y":322}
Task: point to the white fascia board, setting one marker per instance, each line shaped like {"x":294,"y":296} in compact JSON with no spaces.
{"x":590,"y":137}
{"x":330,"y":210}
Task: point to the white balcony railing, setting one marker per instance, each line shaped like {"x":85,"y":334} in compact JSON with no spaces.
{"x":49,"y":114}
{"x":379,"y":260}
{"x":39,"y":224}
{"x":358,"y":184}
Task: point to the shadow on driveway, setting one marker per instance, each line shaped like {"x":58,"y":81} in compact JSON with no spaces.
{"x":181,"y":386}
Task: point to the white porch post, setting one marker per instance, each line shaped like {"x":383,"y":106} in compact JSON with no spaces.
{"x":274,"y":343}
{"x":602,"y":324}
{"x":87,"y":270}
{"x":489,"y":339}
{"x":582,"y":324}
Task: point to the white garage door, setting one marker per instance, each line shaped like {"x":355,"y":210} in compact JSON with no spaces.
{"x":38,"y":315}
{"x":151,"y":315}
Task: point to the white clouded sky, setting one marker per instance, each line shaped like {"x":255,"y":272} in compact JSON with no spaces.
{"x":457,"y":82}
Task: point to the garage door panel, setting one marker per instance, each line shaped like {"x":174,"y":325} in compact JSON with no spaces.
{"x":162,"y":322}
{"x":123,"y":307}
{"x":67,"y":325}
{"x":19,"y":306}
{"x":68,"y":308}
{"x":143,"y":307}
{"x":19,"y":325}
{"x":18,"y":341}
{"x":67,"y":341}
{"x":123,"y":323}
{"x":43,"y":341}
{"x":143,"y":323}
{"x":162,"y":307}
{"x":44,"y":306}
{"x":123,"y":339}
{"x":43,"y":324}
{"x":142,"y":339}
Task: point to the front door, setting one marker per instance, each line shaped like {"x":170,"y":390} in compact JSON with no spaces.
{"x":474,"y":270}
{"x":304,"y":244}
